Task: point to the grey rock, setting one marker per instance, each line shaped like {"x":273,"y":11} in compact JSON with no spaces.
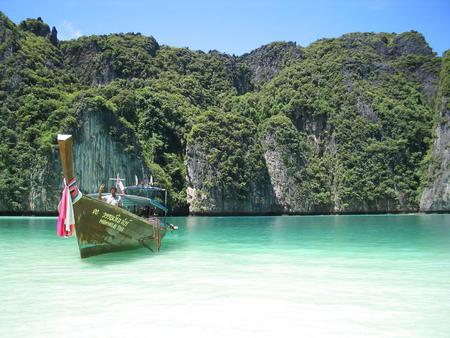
{"x":97,"y":157}
{"x":436,"y":194}
{"x":366,"y":110}
{"x":54,"y":36}
{"x":35,"y":26}
{"x":284,"y":183}
{"x":267,"y":61}
{"x":411,"y":43}
{"x":205,"y":199}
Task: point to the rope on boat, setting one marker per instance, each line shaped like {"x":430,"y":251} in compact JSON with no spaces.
{"x":75,"y":193}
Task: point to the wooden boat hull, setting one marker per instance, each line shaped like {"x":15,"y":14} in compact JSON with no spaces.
{"x":102,"y":228}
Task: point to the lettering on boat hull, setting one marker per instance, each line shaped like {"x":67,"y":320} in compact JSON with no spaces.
{"x":102,"y":228}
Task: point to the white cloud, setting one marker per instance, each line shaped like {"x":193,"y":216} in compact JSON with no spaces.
{"x":67,"y":31}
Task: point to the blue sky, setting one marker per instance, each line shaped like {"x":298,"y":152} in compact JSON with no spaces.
{"x":237,"y":27}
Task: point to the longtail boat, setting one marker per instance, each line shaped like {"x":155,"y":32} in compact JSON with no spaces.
{"x":102,"y":228}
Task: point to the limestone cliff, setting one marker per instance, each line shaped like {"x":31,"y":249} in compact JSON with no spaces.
{"x":339,"y":126}
{"x":329,"y":140}
{"x":97,"y":156}
{"x":100,"y":59}
{"x":285,"y":155}
{"x":436,"y":194}
{"x":267,"y":61}
{"x":219,"y":185}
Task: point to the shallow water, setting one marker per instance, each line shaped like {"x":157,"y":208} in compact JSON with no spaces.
{"x":348,"y":276}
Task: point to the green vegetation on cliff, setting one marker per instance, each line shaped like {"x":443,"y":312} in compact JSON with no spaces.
{"x":36,"y":95}
{"x":339,"y":126}
{"x":433,"y":191}
{"x":231,"y":149}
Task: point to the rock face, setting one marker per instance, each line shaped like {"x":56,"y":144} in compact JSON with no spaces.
{"x":340,"y":126}
{"x":265,"y":62}
{"x":54,"y":36}
{"x":436,"y":194}
{"x":285,"y":161}
{"x":100,"y":59}
{"x":204,"y":199}
{"x":36,"y":26}
{"x":411,"y":43}
{"x":316,"y":151}
{"x":97,"y":157}
{"x":6,"y":35}
{"x":236,"y":185}
{"x":44,"y":193}
{"x":283,"y":184}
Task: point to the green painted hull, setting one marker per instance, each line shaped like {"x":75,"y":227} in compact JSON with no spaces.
{"x":103,"y":228}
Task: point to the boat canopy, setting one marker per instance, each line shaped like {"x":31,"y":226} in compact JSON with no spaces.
{"x":139,"y":194}
{"x":144,"y":187}
{"x":133,"y":200}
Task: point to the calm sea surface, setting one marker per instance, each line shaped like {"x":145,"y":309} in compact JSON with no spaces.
{"x":348,"y":276}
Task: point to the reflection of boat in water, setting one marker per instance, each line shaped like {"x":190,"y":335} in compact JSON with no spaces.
{"x":101,"y":227}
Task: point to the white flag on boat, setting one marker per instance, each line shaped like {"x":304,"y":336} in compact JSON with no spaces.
{"x":151,"y":180}
{"x":136,"y":180}
{"x":119,"y":184}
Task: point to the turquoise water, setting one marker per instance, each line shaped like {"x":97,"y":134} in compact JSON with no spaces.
{"x":347,"y":276}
